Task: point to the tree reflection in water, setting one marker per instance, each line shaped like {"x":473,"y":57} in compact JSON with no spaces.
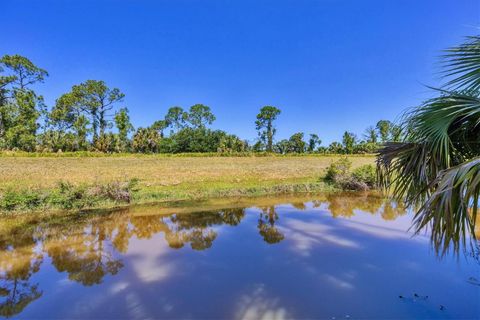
{"x":345,"y":206}
{"x":88,"y":248}
{"x":84,"y":258}
{"x":18,"y":262}
{"x":196,"y":228}
{"x":266,"y":225}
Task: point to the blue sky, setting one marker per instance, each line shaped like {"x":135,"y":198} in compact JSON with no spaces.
{"x":329,"y":65}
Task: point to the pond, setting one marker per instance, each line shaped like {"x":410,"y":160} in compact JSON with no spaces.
{"x":332,"y":256}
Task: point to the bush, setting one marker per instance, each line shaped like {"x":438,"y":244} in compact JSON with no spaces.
{"x":21,"y":200}
{"x":118,"y":191}
{"x":362,"y":178}
{"x":146,"y":140}
{"x":366,"y":174}
{"x":69,"y":196}
{"x":108,"y":143}
{"x":338,"y":170}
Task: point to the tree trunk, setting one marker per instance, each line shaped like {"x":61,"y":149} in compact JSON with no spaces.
{"x":102,"y":122}
{"x":2,"y":103}
{"x":2,"y":126}
{"x":269,"y":137}
{"x":94,"y":126}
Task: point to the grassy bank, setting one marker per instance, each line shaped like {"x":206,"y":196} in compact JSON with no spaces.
{"x":51,"y":181}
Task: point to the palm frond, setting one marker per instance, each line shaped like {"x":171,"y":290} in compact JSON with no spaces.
{"x":463,"y":63}
{"x":405,"y":170}
{"x":430,"y":171}
{"x":444,"y":122}
{"x":437,"y":167}
{"x":442,"y":132}
{"x":452,"y":208}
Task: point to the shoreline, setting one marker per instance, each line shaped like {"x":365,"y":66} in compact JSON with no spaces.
{"x":21,"y":222}
{"x":148,"y":198}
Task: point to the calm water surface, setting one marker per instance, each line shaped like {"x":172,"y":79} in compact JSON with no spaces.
{"x":332,"y":257}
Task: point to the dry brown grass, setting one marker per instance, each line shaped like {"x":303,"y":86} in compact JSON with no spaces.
{"x":162,"y":171}
{"x":164,"y":178}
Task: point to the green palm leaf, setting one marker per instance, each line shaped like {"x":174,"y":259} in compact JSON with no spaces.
{"x":451,"y":210}
{"x":463,"y":63}
{"x":442,"y":132}
{"x":437,"y":168}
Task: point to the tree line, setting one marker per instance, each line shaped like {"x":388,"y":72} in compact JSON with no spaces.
{"x":91,"y":117}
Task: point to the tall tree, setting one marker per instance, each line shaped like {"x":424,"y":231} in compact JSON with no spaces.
{"x":176,"y":118}
{"x":297,"y":145}
{"x":265,"y":127}
{"x":313,"y":142}
{"x":25,"y":73}
{"x":65,"y":111}
{"x":384,"y":127}
{"x":22,"y":132}
{"x":20,"y":106}
{"x":68,"y":115}
{"x":371,"y":135}
{"x":124,"y":126}
{"x":200,"y":115}
{"x":5,"y":81}
{"x":159,"y":126}
{"x":349,"y":141}
{"x":81,"y":130}
{"x":95,"y":99}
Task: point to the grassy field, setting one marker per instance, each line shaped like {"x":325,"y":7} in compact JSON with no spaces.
{"x":163,"y":178}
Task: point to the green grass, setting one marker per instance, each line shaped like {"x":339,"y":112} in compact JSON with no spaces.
{"x":160,"y":177}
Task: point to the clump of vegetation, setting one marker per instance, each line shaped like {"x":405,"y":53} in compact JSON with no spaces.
{"x":68,"y":196}
{"x":361,"y":179}
{"x":117,"y":191}
{"x":367,"y":174}
{"x":13,"y":200}
{"x":338,"y":170}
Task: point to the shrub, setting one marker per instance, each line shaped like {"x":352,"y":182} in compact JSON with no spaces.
{"x":117,"y":191}
{"x":18,"y":200}
{"x":338,"y":170}
{"x":146,"y":140}
{"x":366,"y":174}
{"x":362,"y":178}
{"x":108,"y":143}
{"x":69,"y":196}
{"x":354,"y":185}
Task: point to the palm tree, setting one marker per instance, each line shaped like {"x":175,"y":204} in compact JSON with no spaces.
{"x":436,"y":167}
